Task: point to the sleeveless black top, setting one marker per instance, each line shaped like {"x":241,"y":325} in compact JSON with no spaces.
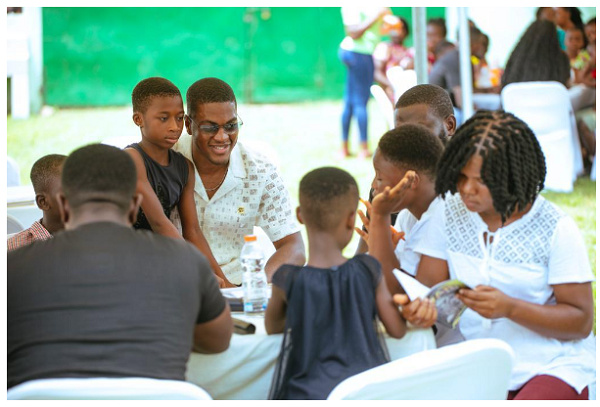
{"x":166,"y":181}
{"x":330,"y":329}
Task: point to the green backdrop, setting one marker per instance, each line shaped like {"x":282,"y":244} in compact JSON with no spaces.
{"x":95,"y":56}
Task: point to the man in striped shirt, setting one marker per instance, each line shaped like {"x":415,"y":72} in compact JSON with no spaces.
{"x":45,"y":178}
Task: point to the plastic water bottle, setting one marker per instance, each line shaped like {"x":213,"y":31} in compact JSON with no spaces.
{"x":254,"y":279}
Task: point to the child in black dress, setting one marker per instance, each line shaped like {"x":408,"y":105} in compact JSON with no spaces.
{"x":328,"y":309}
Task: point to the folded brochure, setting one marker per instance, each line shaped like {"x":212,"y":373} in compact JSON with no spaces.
{"x":449,"y":307}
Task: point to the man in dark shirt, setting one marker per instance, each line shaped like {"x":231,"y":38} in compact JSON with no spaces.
{"x":104,"y":300}
{"x":446,"y":70}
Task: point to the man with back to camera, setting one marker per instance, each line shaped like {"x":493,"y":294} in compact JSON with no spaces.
{"x":236,"y":187}
{"x":101,"y":299}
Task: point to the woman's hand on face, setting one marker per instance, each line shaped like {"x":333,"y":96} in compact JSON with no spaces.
{"x":391,"y":200}
{"x":489,"y":302}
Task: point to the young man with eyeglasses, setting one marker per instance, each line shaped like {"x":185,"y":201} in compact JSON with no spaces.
{"x":237,"y":188}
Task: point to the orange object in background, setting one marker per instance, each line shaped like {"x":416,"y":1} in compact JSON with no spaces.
{"x":391,"y":23}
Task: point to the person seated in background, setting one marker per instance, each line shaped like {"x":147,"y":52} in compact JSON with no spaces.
{"x":443,"y":47}
{"x":586,"y":116}
{"x":576,"y":43}
{"x":436,"y":33}
{"x":446,"y":71}
{"x":327,"y":309}
{"x":238,"y":188}
{"x":590,"y":34}
{"x":165,"y":177}
{"x":566,"y":18}
{"x":545,"y":13}
{"x":102,"y":299}
{"x":45,"y":178}
{"x":523,"y":258}
{"x":537,"y":56}
{"x":427,"y":105}
{"x":392,"y":54}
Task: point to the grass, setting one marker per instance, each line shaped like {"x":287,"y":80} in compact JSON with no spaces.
{"x":304,"y":136}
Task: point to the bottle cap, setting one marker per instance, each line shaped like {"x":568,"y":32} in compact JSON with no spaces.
{"x":249,"y":238}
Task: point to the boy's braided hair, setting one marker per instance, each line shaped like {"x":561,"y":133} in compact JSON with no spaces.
{"x":513,"y":168}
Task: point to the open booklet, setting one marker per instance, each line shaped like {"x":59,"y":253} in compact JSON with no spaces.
{"x":449,"y":307}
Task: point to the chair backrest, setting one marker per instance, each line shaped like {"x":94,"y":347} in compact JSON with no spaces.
{"x":544,"y":106}
{"x":401,"y":80}
{"x":128,"y":388}
{"x":384,"y":103}
{"x":13,"y":225}
{"x":13,"y":173}
{"x":477,"y":369}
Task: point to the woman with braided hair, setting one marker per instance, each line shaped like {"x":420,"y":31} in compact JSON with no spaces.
{"x":523,"y":257}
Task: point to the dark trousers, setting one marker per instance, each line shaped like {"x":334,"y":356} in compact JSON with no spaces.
{"x":356,"y":94}
{"x":545,"y":387}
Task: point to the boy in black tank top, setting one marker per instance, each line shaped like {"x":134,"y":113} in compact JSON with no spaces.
{"x":165,"y":178}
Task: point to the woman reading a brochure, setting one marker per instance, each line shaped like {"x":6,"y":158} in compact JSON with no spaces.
{"x":522,"y":256}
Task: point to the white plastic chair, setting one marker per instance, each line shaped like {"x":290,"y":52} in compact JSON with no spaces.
{"x":547,"y":110}
{"x":401,"y":80}
{"x":477,"y":369}
{"x":13,"y":225}
{"x":128,"y":388}
{"x":384,"y":103}
{"x":12,"y":173}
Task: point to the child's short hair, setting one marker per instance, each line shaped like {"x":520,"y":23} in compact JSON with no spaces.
{"x":208,"y":90}
{"x":99,"y":172}
{"x":44,"y":169}
{"x":436,"y":97}
{"x":149,"y":88}
{"x":325,"y":194}
{"x":513,"y":169}
{"x":412,"y":146}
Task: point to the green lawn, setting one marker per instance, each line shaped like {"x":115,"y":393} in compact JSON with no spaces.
{"x":304,"y":136}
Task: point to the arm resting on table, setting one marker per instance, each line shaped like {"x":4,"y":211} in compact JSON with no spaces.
{"x":214,"y":336}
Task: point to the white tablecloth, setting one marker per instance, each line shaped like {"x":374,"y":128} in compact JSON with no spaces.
{"x":244,"y":371}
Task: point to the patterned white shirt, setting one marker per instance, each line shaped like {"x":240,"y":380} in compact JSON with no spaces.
{"x":252,"y":194}
{"x":523,"y":260}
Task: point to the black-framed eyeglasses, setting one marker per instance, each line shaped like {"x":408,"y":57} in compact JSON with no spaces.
{"x":212,"y":129}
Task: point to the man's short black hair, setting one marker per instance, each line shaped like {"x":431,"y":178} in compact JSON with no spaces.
{"x":325,"y":194}
{"x":99,"y":173}
{"x":412,"y":147}
{"x":149,"y":88}
{"x":44,"y":170}
{"x":440,"y":22}
{"x":436,"y":97}
{"x":208,"y":90}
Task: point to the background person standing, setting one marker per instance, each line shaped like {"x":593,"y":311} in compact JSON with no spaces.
{"x":363,"y":27}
